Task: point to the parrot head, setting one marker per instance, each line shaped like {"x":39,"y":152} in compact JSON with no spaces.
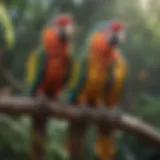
{"x":64,"y":25}
{"x":116,"y":31}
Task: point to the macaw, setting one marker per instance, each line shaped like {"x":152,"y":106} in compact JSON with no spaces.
{"x":97,"y":79}
{"x":47,"y":70}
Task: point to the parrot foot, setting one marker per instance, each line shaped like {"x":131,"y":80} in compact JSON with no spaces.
{"x":84,"y":109}
{"x":115,"y":111}
{"x":42,"y":100}
{"x":111,"y":114}
{"x":83,"y":106}
{"x":102,"y":109}
{"x":61,"y":102}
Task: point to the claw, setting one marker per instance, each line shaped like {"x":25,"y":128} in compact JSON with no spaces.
{"x":60,"y":101}
{"x":42,"y":100}
{"x":102,"y":106}
{"x":111,"y":114}
{"x":84,"y":106}
{"x":103,"y":109}
{"x":84,"y":109}
{"x":116,"y":110}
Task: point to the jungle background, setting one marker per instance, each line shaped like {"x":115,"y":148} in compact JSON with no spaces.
{"x":142,"y":51}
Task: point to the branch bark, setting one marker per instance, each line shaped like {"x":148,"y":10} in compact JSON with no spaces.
{"x":124,"y":122}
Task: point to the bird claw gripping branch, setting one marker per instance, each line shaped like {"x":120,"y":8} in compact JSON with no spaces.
{"x":42,"y":101}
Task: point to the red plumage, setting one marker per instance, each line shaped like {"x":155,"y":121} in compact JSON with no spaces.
{"x":117,"y":26}
{"x":63,"y":20}
{"x":56,"y":68}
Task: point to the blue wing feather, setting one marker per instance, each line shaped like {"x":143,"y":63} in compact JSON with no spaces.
{"x":71,"y":93}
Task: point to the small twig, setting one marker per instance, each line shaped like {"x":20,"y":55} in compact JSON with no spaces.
{"x":13,"y":81}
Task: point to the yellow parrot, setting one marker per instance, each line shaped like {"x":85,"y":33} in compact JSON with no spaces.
{"x":97,"y":80}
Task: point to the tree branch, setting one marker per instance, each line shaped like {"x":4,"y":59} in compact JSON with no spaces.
{"x":13,"y":81}
{"x":127,"y":123}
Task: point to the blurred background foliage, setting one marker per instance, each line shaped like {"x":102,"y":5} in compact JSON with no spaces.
{"x":142,"y":52}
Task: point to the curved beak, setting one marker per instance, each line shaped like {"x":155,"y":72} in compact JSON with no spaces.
{"x":114,"y":41}
{"x":66,"y":32}
{"x":122,"y":37}
{"x":69,"y":30}
{"x":117,"y":38}
{"x":62,"y":34}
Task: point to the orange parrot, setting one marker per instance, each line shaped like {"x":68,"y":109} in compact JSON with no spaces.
{"x":51,"y":65}
{"x":97,"y":80}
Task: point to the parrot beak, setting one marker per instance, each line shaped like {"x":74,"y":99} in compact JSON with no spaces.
{"x":69,"y":30}
{"x":113,"y":40}
{"x":121,"y":37}
{"x":66,"y":32}
{"x":62,"y":34}
{"x":117,"y":38}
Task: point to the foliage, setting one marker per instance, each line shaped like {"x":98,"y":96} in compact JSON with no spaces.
{"x":141,"y":51}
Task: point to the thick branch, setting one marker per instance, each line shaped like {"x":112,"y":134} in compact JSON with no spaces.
{"x":127,"y":123}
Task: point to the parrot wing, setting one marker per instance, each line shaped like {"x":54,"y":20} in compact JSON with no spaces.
{"x":31,"y":67}
{"x":35,"y":70}
{"x":76,"y":81}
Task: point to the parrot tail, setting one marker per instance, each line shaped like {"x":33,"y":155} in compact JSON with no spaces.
{"x":105,"y":144}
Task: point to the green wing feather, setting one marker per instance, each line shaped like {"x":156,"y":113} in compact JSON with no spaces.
{"x":37,"y":60}
{"x":76,"y":81}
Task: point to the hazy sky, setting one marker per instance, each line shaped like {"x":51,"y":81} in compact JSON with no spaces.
{"x":144,"y":3}
{"x":78,"y":1}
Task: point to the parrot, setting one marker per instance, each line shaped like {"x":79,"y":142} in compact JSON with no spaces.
{"x":48,"y":67}
{"x":97,"y":79}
